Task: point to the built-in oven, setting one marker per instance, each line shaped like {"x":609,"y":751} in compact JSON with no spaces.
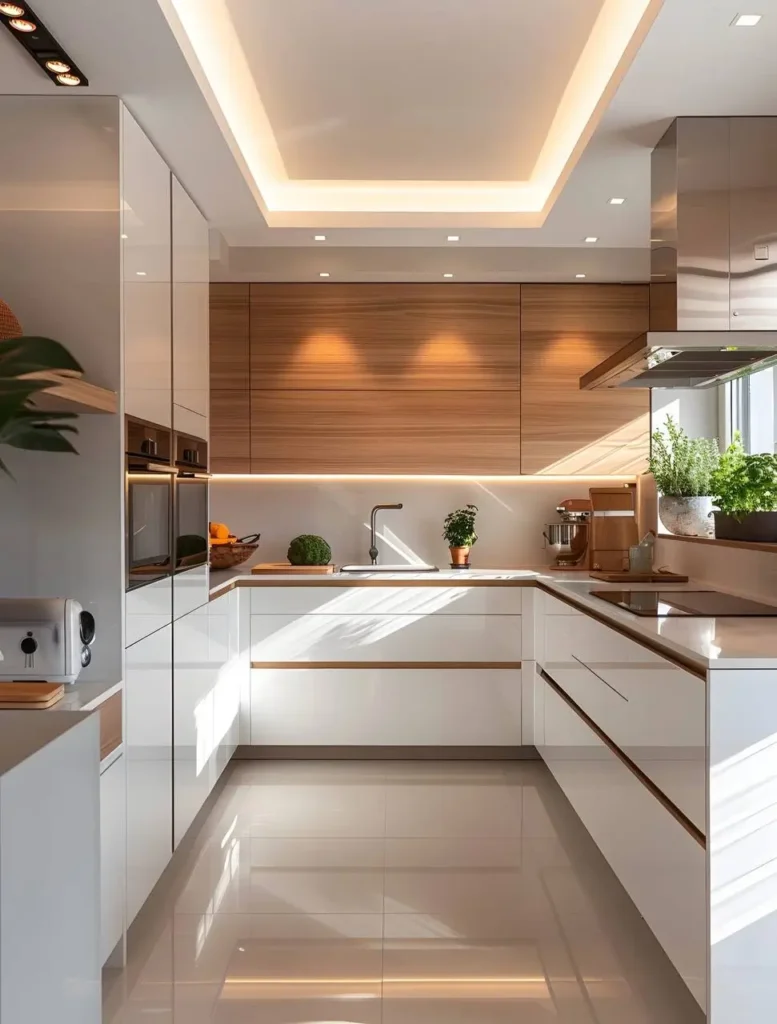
{"x":150,"y":478}
{"x":191,"y":502}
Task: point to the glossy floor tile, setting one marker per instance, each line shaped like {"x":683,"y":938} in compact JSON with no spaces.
{"x":400,"y":893}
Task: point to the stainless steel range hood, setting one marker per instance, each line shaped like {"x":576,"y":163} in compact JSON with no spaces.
{"x":713,"y":288}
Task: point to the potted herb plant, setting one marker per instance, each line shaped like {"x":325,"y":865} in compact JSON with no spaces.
{"x":744,"y":489}
{"x":682,"y":467}
{"x":459,"y":531}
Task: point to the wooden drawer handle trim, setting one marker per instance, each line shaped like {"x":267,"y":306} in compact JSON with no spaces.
{"x":111,"y":728}
{"x":387,"y":664}
{"x":664,"y":800}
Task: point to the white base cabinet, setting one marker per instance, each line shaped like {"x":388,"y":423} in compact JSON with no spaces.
{"x":661,"y":866}
{"x":206,"y":702}
{"x":149,"y":763}
{"x":113,"y":860}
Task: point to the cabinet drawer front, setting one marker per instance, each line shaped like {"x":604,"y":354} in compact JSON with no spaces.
{"x":649,"y":707}
{"x":385,"y":707}
{"x":113,"y":815}
{"x":386,"y":638}
{"x":345,"y":600}
{"x":659,"y":864}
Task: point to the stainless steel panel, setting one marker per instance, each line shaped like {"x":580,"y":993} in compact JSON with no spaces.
{"x":753,"y":223}
{"x":703,"y":223}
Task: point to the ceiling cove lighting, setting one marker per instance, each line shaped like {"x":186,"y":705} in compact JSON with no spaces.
{"x":28,"y":30}
{"x":592,"y":238}
{"x":746,"y":20}
{"x":615,"y":201}
{"x":212,"y":44}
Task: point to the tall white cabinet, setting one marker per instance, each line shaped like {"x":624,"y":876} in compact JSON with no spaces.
{"x":147,"y":253}
{"x":191,"y":284}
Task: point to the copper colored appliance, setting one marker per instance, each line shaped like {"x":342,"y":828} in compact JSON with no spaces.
{"x":613,"y":527}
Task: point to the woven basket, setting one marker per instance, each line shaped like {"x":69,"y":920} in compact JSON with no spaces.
{"x":227,"y":556}
{"x":9,"y":325}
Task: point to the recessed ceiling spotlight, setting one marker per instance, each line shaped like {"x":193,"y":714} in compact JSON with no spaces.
{"x":68,"y":79}
{"x":746,"y":20}
{"x":447,"y":275}
{"x":59,"y":67}
{"x":616,"y":202}
{"x":22,"y":25}
{"x":323,"y":274}
{"x":319,"y":238}
{"x":11,"y":10}
{"x":453,"y":238}
{"x":140,"y":273}
{"x":53,"y":60}
{"x":592,"y":238}
{"x":579,"y":275}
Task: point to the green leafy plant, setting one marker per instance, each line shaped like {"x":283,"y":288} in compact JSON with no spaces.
{"x":744,"y":483}
{"x":459,"y":527}
{"x":24,"y":362}
{"x":682,"y":465}
{"x":308,"y":549}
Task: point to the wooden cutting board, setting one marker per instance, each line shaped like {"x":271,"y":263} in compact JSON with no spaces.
{"x":23,"y":695}
{"x":282,"y":568}
{"x":638,"y":577}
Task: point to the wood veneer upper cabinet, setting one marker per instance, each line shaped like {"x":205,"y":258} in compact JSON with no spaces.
{"x":229,"y":327}
{"x":230,"y":418}
{"x":404,"y":337}
{"x":565,"y":331}
{"x":329,"y":431}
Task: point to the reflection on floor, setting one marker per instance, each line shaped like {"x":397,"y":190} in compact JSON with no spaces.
{"x":403,"y":893}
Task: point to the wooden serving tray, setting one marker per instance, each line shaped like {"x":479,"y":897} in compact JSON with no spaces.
{"x":638,"y":577}
{"x":283,"y":568}
{"x":21,"y":695}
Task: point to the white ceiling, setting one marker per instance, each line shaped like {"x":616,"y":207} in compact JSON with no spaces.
{"x":692,"y":62}
{"x":438,"y":90}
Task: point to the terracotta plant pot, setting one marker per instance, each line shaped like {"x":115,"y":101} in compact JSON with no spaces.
{"x":459,"y":556}
{"x":686,"y":517}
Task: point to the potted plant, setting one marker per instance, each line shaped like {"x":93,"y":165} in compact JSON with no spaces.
{"x":459,"y":531}
{"x":683,"y":468}
{"x":25,"y":363}
{"x":744,"y":489}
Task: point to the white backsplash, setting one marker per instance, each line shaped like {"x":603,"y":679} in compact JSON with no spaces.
{"x":510,"y":524}
{"x":736,"y":570}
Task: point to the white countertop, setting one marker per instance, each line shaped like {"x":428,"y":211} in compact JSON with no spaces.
{"x":713,"y":643}
{"x":710,"y":643}
{"x":83,"y":696}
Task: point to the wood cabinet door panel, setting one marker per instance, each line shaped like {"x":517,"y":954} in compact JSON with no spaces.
{"x":565,"y":331}
{"x":229,"y":325}
{"x":381,"y":337}
{"x":230,"y":432}
{"x":462,"y":432}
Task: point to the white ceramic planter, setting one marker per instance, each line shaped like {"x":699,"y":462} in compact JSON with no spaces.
{"x":686,"y":517}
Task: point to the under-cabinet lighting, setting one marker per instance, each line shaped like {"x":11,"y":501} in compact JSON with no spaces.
{"x":432,"y":477}
{"x":746,"y":20}
{"x":616,"y":201}
{"x":592,"y":238}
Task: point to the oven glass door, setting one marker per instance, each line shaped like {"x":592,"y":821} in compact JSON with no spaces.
{"x":149,"y":521}
{"x":191,"y":522}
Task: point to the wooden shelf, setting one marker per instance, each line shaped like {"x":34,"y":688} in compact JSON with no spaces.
{"x":718,"y":542}
{"x":71,"y":394}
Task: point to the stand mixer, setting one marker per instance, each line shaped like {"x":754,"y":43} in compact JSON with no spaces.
{"x":568,"y":540}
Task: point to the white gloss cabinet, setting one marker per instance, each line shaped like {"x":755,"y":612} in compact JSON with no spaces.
{"x":149,"y":763}
{"x":147,"y":609}
{"x":191,"y":315}
{"x":386,"y":707}
{"x":206,"y":704}
{"x":113,"y":866}
{"x":661,"y":866}
{"x":147,"y":296}
{"x":386,"y":600}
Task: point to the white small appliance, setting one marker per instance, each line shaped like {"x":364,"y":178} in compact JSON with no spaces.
{"x":47,"y":639}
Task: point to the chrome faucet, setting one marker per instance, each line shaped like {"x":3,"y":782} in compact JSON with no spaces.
{"x":373,"y":549}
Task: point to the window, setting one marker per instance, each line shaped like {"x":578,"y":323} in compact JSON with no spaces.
{"x":750,"y":406}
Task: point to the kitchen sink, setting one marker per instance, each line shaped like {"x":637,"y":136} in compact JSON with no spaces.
{"x":389,"y":568}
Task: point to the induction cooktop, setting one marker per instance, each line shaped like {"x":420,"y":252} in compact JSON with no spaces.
{"x":692,"y":603}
